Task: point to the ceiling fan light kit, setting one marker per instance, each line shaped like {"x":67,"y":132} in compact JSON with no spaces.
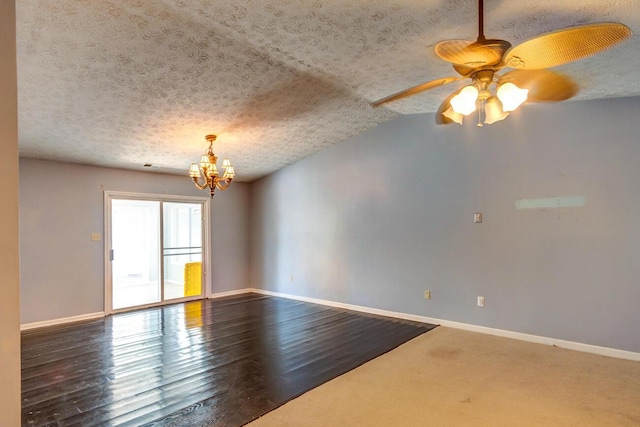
{"x":511,"y":96}
{"x":493,"y":111}
{"x":465,"y":101}
{"x":480,"y":96}
{"x":494,"y":95}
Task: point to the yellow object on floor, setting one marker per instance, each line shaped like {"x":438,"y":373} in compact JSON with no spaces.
{"x":192,"y":279}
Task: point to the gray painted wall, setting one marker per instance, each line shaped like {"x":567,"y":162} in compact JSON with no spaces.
{"x":61,"y":204}
{"x":379,"y":219}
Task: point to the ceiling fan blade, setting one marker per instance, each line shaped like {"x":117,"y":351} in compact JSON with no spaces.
{"x":416,"y":89}
{"x":543,"y":85}
{"x":464,"y":52}
{"x":567,"y":45}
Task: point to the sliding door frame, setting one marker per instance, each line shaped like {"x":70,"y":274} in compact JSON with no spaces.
{"x":206,"y":245}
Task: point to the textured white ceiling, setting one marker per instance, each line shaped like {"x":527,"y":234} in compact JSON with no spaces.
{"x":122,"y":83}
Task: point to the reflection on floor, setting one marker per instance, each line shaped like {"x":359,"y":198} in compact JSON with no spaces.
{"x":131,"y":291}
{"x":213,"y":362}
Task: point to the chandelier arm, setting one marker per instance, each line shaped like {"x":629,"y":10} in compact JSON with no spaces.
{"x":225,"y":183}
{"x":200,"y":186}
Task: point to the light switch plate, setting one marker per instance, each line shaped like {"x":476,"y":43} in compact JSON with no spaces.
{"x":95,"y":236}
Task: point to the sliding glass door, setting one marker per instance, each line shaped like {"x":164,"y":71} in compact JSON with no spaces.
{"x":135,"y":249}
{"x":182,"y":250}
{"x":155,"y":250}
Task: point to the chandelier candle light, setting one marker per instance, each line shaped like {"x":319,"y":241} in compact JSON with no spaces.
{"x":210,"y":171}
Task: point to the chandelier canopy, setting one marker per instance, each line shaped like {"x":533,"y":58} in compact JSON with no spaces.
{"x":212,"y":180}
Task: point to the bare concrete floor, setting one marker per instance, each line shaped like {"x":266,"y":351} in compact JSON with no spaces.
{"x":449,"y":377}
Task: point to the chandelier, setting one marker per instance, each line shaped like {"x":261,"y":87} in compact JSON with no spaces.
{"x":478,"y":96}
{"x":212,"y":180}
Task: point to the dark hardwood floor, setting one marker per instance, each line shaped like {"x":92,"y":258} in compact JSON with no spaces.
{"x":207,"y":363}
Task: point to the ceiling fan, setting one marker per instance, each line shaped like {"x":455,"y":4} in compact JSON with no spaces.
{"x":494,"y":95}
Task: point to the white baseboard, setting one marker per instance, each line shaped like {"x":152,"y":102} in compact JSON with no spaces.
{"x":570,"y":345}
{"x":61,"y":321}
{"x":97,"y":315}
{"x":231,"y":293}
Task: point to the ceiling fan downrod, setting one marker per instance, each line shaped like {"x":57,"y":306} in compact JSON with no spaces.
{"x":481,"y":20}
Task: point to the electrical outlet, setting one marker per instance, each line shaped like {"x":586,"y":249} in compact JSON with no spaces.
{"x":95,"y":236}
{"x":427,"y":294}
{"x":477,"y":217}
{"x":480,"y":301}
